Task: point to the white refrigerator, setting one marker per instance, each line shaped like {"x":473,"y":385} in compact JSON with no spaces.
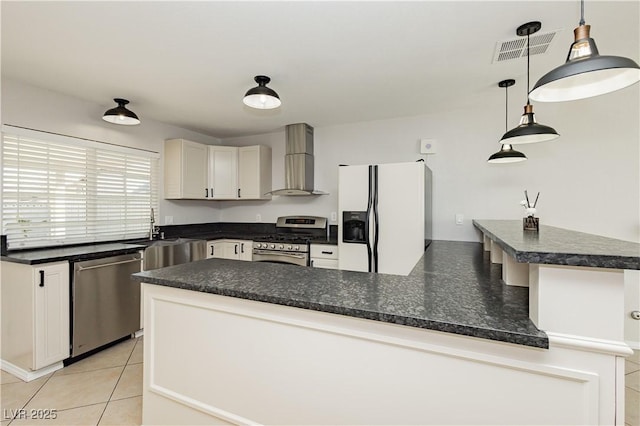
{"x":385,"y":215}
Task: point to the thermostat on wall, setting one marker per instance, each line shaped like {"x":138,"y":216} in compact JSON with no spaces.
{"x":427,"y":146}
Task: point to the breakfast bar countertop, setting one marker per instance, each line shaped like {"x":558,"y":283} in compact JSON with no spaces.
{"x":557,"y":246}
{"x":454,"y":288}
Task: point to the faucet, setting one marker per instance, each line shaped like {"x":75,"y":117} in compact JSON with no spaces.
{"x":152,"y":229}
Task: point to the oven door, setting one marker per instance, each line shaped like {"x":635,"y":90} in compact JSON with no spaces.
{"x":301,"y":259}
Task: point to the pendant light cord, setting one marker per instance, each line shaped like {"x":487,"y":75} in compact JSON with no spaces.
{"x":581,"y":12}
{"x":528,"y":59}
{"x":506,"y":108}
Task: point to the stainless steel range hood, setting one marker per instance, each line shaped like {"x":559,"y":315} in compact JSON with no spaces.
{"x":298,"y":162}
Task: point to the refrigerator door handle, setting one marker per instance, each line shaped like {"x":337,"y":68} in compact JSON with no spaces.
{"x":376,"y":226}
{"x":367,"y":236}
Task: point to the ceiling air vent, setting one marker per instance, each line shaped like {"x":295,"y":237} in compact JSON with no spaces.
{"x":517,"y":48}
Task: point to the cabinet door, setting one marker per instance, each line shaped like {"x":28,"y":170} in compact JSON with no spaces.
{"x":232,"y":250}
{"x":51,"y":309}
{"x":194,"y":170}
{"x":254,"y":172}
{"x":223,"y":172}
{"x":246,"y":250}
{"x":215,"y":249}
{"x":320,"y":262}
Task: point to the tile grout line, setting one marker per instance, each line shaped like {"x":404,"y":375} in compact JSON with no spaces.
{"x":116,"y":386}
{"x":32,"y":396}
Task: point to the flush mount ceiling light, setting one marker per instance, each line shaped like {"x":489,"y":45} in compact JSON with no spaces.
{"x":586,"y":73}
{"x":261,"y":96}
{"x":506,"y":154}
{"x":121,"y":115}
{"x":528,"y":131}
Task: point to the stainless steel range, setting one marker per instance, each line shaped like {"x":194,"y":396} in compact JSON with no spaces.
{"x":290,"y":243}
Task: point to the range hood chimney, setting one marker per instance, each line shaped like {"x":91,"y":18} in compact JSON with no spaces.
{"x":298,"y":162}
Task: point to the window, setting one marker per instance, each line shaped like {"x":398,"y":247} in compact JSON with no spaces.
{"x":62,"y":190}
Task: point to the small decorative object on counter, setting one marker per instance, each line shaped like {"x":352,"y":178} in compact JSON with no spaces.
{"x":530,"y":223}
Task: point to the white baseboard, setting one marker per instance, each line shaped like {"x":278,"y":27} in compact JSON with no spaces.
{"x":28,"y":375}
{"x":138,"y":333}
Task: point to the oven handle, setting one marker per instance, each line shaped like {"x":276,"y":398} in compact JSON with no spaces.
{"x":281,"y":253}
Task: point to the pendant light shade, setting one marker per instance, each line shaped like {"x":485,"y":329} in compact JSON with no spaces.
{"x":261,"y":96}
{"x":121,"y":115}
{"x":586,"y":73}
{"x":506,"y":154}
{"x":529,"y":131}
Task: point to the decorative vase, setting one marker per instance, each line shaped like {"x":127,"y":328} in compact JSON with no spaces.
{"x":531,"y":223}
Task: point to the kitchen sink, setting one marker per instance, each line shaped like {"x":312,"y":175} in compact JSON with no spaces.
{"x":161,"y":253}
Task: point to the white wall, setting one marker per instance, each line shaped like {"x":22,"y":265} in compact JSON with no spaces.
{"x":588,"y":178}
{"x":40,"y":109}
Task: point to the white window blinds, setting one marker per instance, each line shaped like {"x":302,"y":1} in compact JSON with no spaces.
{"x":62,"y":190}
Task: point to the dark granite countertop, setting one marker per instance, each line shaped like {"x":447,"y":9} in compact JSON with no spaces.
{"x":75,"y":253}
{"x":557,"y":246}
{"x":454,"y":288}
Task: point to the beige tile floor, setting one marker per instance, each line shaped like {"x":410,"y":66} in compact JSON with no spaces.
{"x":103,"y":389}
{"x":106,"y":389}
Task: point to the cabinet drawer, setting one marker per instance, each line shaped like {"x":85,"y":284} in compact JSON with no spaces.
{"x":324,"y":263}
{"x":325,"y":251}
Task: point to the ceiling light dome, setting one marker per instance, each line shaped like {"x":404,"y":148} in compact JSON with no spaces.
{"x":121,"y":115}
{"x":261,"y":96}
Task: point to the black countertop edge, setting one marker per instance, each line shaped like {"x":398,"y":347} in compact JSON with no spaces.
{"x":537,"y":341}
{"x":563,"y":254}
{"x":71,"y":254}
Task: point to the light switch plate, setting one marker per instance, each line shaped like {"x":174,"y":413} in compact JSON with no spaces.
{"x":334,"y":217}
{"x":427,"y":146}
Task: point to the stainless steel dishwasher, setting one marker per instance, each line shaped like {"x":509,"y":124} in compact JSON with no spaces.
{"x":105,"y":302}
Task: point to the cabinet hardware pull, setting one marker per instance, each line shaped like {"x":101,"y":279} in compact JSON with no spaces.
{"x":206,"y":193}
{"x":236,"y":248}
{"x":212,"y":248}
{"x":211,"y":192}
{"x":238,"y":192}
{"x":41,"y":278}
{"x":242,"y":248}
{"x":312,"y":263}
{"x":327,"y":252}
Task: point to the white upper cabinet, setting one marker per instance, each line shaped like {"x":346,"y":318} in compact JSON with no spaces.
{"x":185,"y":169}
{"x":254,"y":172}
{"x":213,"y":172}
{"x":223,"y":172}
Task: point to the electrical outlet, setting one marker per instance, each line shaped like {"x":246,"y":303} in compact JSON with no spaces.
{"x":258,"y":217}
{"x":168,"y":220}
{"x":459,"y":219}
{"x":334,"y":217}
{"x":427,"y":146}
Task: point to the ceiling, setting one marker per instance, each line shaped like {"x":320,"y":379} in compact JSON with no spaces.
{"x":190,"y":63}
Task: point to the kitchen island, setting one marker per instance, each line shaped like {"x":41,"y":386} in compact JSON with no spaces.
{"x":233,"y":342}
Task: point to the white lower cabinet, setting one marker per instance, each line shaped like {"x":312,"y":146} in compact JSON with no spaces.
{"x":35,"y":314}
{"x":324,"y":256}
{"x":230,"y":249}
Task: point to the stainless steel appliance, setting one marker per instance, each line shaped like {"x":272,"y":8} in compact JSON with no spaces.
{"x":385,"y":212}
{"x":105,"y":302}
{"x":298,"y":162}
{"x":162,"y":253}
{"x":290,"y":243}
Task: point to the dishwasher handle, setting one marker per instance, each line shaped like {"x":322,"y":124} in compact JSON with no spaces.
{"x":103,"y":265}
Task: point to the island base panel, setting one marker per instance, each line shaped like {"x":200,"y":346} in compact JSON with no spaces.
{"x":238,"y":361}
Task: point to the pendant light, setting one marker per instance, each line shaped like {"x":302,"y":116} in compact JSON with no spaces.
{"x":586,"y":73}
{"x":506,"y":154}
{"x":121,"y":115}
{"x":261,"y":96}
{"x":528,"y":131}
